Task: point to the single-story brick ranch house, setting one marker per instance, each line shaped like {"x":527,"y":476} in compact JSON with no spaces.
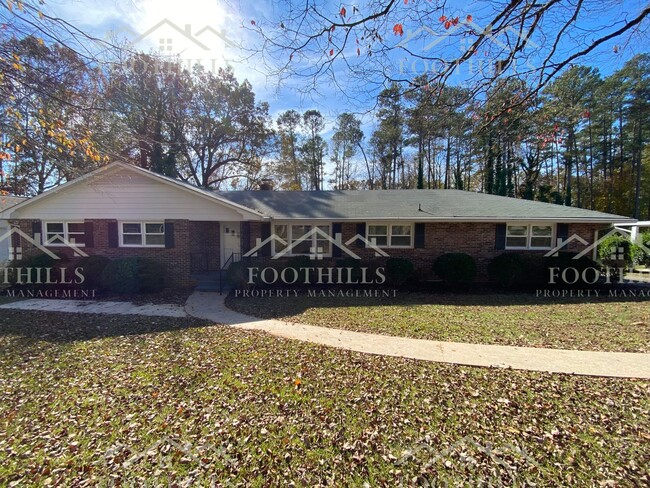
{"x":121,"y":210}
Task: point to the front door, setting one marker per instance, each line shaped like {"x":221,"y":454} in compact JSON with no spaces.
{"x":230,"y":241}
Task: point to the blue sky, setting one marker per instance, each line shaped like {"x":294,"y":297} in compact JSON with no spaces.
{"x":130,"y":19}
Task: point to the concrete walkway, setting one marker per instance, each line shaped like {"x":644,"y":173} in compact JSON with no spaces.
{"x":81,"y":306}
{"x":211,"y":306}
{"x":614,"y":364}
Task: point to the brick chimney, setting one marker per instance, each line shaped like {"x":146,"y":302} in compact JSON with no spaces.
{"x":266,"y":184}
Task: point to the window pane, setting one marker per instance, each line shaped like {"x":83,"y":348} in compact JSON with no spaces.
{"x":516,"y":241}
{"x":323,"y":246}
{"x":55,"y":228}
{"x":517,"y":230}
{"x":324,"y":228}
{"x":132,"y":240}
{"x":76,"y":228}
{"x":155,"y":240}
{"x":130,"y":228}
{"x":401,"y":230}
{"x":302,"y":247}
{"x":377,"y":230}
{"x":542,"y":230}
{"x":54,"y":239}
{"x":281,"y":232}
{"x":155,"y":228}
{"x":400,"y":241}
{"x":77,"y":238}
{"x":379,"y":240}
{"x":297,"y":231}
{"x":540,"y":242}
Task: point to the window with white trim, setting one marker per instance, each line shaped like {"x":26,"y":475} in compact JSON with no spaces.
{"x":303,"y":239}
{"x":529,"y":236}
{"x":142,"y":234}
{"x":58,"y":233}
{"x":390,"y":235}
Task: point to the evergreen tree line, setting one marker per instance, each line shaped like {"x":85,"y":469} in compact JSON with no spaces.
{"x":582,"y":141}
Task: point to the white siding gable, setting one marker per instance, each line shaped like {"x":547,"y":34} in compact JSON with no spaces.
{"x":124,"y":194}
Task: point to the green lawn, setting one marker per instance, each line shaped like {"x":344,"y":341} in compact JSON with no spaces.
{"x":518,"y":319}
{"x":121,"y":400}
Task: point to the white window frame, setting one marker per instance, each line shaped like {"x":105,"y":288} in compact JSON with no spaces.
{"x":389,"y":237}
{"x":66,"y":233}
{"x":529,"y":235}
{"x":143,"y":226}
{"x":313,"y":237}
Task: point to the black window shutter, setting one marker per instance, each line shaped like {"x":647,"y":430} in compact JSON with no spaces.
{"x":37,"y":228}
{"x":419,"y":236}
{"x":266,"y":233}
{"x":361,"y":231}
{"x":500,"y":239}
{"x":245,"y":237}
{"x":562,"y":232}
{"x":337,"y":228}
{"x":89,"y":234}
{"x":113,"y":238}
{"x":169,"y":235}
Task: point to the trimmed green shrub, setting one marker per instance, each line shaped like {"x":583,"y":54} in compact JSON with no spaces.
{"x":237,"y":273}
{"x":296,"y":262}
{"x":455,"y":268}
{"x":39,"y":261}
{"x":93,"y":267}
{"x":134,"y":275}
{"x":562,"y":262}
{"x":400,"y":271}
{"x":508,"y":270}
{"x":644,"y":238}
{"x":151,"y":275}
{"x":619,"y":251}
{"x":121,"y":275}
{"x":354,"y":264}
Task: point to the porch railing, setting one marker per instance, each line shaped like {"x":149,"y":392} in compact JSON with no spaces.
{"x":234,"y":258}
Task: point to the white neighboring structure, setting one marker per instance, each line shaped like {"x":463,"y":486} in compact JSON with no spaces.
{"x":6,"y":202}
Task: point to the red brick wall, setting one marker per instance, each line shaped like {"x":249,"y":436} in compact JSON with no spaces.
{"x":475,"y":239}
{"x":176,"y":259}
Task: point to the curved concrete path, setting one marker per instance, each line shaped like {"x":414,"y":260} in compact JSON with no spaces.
{"x":614,"y":364}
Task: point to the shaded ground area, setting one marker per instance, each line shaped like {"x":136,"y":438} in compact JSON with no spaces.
{"x":88,"y":397}
{"x":601,"y":324}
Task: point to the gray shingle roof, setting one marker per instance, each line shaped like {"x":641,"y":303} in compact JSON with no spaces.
{"x":418,"y":205}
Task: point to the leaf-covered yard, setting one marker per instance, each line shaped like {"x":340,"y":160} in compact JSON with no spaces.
{"x":87,"y":399}
{"x":512,"y":319}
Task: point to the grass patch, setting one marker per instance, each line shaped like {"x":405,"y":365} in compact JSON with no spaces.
{"x":518,"y":320}
{"x":113,"y":400}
